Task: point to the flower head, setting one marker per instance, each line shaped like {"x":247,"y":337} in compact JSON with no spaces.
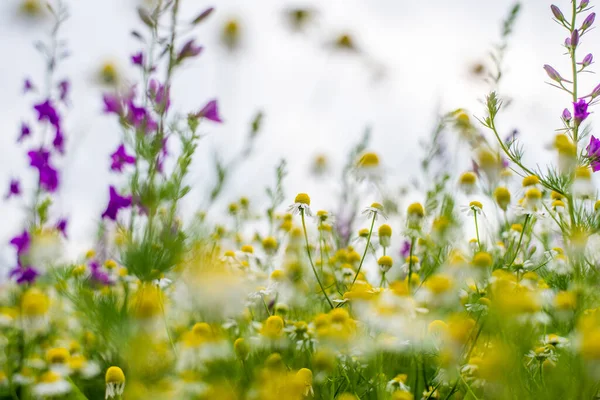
{"x":189,"y":49}
{"x":14,"y":188}
{"x":301,"y":204}
{"x":24,"y":274}
{"x":115,"y":382}
{"x":374,"y":210}
{"x":25,"y":132}
{"x":21,"y":242}
{"x":593,"y":152}
{"x":47,"y":112}
{"x":552,"y":73}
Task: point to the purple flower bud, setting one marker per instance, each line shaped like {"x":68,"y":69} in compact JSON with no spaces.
{"x":566,"y":114}
{"x":596,"y":92}
{"x":138,"y":59}
{"x":575,"y":38}
{"x":210,"y":112}
{"x":568,"y":42}
{"x":587,"y":23}
{"x":557,"y":13}
{"x":14,"y":189}
{"x":584,"y":3}
{"x":190,"y":49}
{"x":587,"y":60}
{"x":552,"y":73}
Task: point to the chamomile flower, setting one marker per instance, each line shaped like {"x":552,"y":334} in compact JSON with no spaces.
{"x":374,"y":211}
{"x":51,"y":384}
{"x":115,"y":383}
{"x":398,"y":383}
{"x":34,"y":310}
{"x":368,"y":166}
{"x":385,"y":234}
{"x":583,"y":187}
{"x":415,"y":214}
{"x":474,"y":207}
{"x":502,"y":197}
{"x":301,"y":204}
{"x":467,"y":182}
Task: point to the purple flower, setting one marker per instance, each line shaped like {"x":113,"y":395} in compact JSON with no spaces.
{"x":120,"y":158}
{"x":587,"y":23}
{"x":27,"y":85}
{"x":140,"y":118}
{"x":115,"y":203}
{"x":40,"y":160}
{"x":112,"y":104}
{"x":584,"y":3}
{"x":580,"y":111}
{"x":47,"y":112}
{"x":14,"y":189}
{"x":138,"y":59}
{"x":25,"y":131}
{"x":24,"y":275}
{"x":587,"y":60}
{"x":61,"y":226}
{"x":593,"y":150}
{"x":98,"y":275}
{"x":552,"y":73}
{"x":21,"y":242}
{"x":405,"y":250}
{"x":557,"y":13}
{"x":210,"y":112}
{"x":63,"y":88}
{"x":189,"y":49}
{"x":566,"y":114}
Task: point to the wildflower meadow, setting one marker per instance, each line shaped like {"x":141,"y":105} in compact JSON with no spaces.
{"x":482,"y":284}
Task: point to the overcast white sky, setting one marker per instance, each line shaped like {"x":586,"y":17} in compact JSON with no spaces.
{"x":314,"y":100}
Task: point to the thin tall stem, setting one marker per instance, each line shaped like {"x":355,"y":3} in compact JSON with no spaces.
{"x":312,"y":264}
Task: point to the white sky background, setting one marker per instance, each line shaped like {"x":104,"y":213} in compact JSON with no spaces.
{"x":314,"y":100}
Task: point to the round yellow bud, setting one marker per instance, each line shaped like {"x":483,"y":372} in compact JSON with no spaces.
{"x":302,"y":198}
{"x":114,"y":375}
{"x":502,"y":197}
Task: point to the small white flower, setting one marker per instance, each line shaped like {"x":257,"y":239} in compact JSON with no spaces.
{"x":374,"y":210}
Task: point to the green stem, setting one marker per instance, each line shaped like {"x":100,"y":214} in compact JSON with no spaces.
{"x":311,"y":260}
{"x":410,"y":261}
{"x":477,"y":229}
{"x":520,"y":240}
{"x":362,"y":260}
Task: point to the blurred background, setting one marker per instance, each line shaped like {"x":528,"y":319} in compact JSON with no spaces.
{"x":321,"y":72}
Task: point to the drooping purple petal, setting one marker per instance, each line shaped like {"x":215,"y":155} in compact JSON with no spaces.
{"x":189,"y":49}
{"x":61,"y":226}
{"x":112,"y":104}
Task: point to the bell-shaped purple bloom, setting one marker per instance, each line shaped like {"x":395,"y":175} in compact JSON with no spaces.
{"x":21,"y":242}
{"x":115,"y":203}
{"x":593,"y":152}
{"x":40,"y":160}
{"x":14,"y":189}
{"x":160,"y":94}
{"x":580,"y":111}
{"x":210,"y":112}
{"x":120,"y":158}
{"x":24,"y":274}
{"x":47,"y":112}
{"x":140,"y":117}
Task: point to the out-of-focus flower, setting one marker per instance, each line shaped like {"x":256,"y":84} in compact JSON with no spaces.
{"x":48,"y":175}
{"x":553,"y":74}
{"x":298,"y":18}
{"x":120,"y":158}
{"x":231,"y":34}
{"x":116,"y":202}
{"x":301,"y":204}
{"x":14,"y":188}
{"x":210,"y":111}
{"x":51,"y":384}
{"x":189,"y":50}
{"x":108,"y":74}
{"x":593,"y":152}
